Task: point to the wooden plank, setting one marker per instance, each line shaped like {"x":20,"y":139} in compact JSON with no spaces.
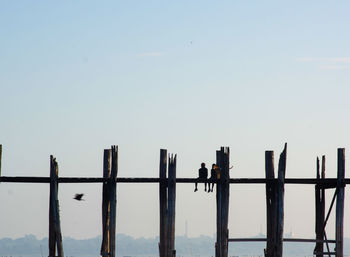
{"x":105,"y":203}
{"x":60,"y":252}
{"x":54,"y":215}
{"x":324,"y":183}
{"x":0,"y":158}
{"x":218,"y":245}
{"x":300,"y":240}
{"x":225,"y":198}
{"x":323,"y":200}
{"x":222,"y":200}
{"x":171,"y":206}
{"x":82,"y":180}
{"x":52,"y":232}
{"x":280,"y":202}
{"x":247,"y":239}
{"x":330,"y":208}
{"x":162,"y":204}
{"x":319,"y":208}
{"x":328,"y":253}
{"x":113,"y":200}
{"x":339,"y":229}
{"x":317,"y":211}
{"x":270,"y":204}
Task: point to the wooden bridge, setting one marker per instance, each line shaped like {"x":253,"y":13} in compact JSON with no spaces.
{"x":167,"y":181}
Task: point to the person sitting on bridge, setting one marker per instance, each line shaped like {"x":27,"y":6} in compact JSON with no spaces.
{"x":213,"y":176}
{"x":202,"y":176}
{"x":218,"y":172}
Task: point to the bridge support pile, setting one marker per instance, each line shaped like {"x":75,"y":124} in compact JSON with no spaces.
{"x":55,"y":236}
{"x":222,"y":202}
{"x":167,"y":197}
{"x":109,"y":201}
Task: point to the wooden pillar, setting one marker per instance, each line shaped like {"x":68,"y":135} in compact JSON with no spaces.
{"x":0,"y":158}
{"x":55,"y":237}
{"x":280,"y":202}
{"x":218,"y":244}
{"x":339,"y":216}
{"x":109,"y":201}
{"x":319,"y":208}
{"x":222,"y":202}
{"x":113,"y":199}
{"x":162,"y":204}
{"x":105,"y":203}
{"x":225,"y":198}
{"x":52,"y":232}
{"x":171,"y":206}
{"x":270,"y":204}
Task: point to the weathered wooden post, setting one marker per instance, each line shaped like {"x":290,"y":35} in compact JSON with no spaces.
{"x":226,"y":198}
{"x":339,"y":216}
{"x":280,"y":202}
{"x":218,"y":244}
{"x":55,"y":237}
{"x":0,"y":158}
{"x":105,"y":203}
{"x":113,"y":199}
{"x":109,"y":201}
{"x":162,"y":204}
{"x":171,"y":206}
{"x":319,"y":208}
{"x":271,"y":210}
{"x":222,"y":202}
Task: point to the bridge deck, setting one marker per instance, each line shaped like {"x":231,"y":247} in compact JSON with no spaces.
{"x":328,"y":182}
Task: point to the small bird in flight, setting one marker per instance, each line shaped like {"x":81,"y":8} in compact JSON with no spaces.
{"x":78,"y":197}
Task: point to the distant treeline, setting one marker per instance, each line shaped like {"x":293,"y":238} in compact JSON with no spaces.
{"x":129,"y":246}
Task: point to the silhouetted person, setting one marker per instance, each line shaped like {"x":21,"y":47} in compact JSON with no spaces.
{"x":79,"y":197}
{"x":218,"y":172}
{"x":202,"y":176}
{"x":213,"y":176}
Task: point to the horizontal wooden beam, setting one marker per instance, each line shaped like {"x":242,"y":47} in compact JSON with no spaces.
{"x":310,"y":181}
{"x":302,"y":240}
{"x":247,"y":239}
{"x":25,"y":179}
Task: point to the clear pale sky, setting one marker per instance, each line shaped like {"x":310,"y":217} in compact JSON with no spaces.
{"x":188,"y":76}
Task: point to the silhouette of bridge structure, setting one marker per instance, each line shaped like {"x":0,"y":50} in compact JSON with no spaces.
{"x":167,"y":181}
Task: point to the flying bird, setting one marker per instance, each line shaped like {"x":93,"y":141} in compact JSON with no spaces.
{"x":78,"y":197}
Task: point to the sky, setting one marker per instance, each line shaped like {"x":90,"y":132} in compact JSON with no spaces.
{"x":189,"y":76}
